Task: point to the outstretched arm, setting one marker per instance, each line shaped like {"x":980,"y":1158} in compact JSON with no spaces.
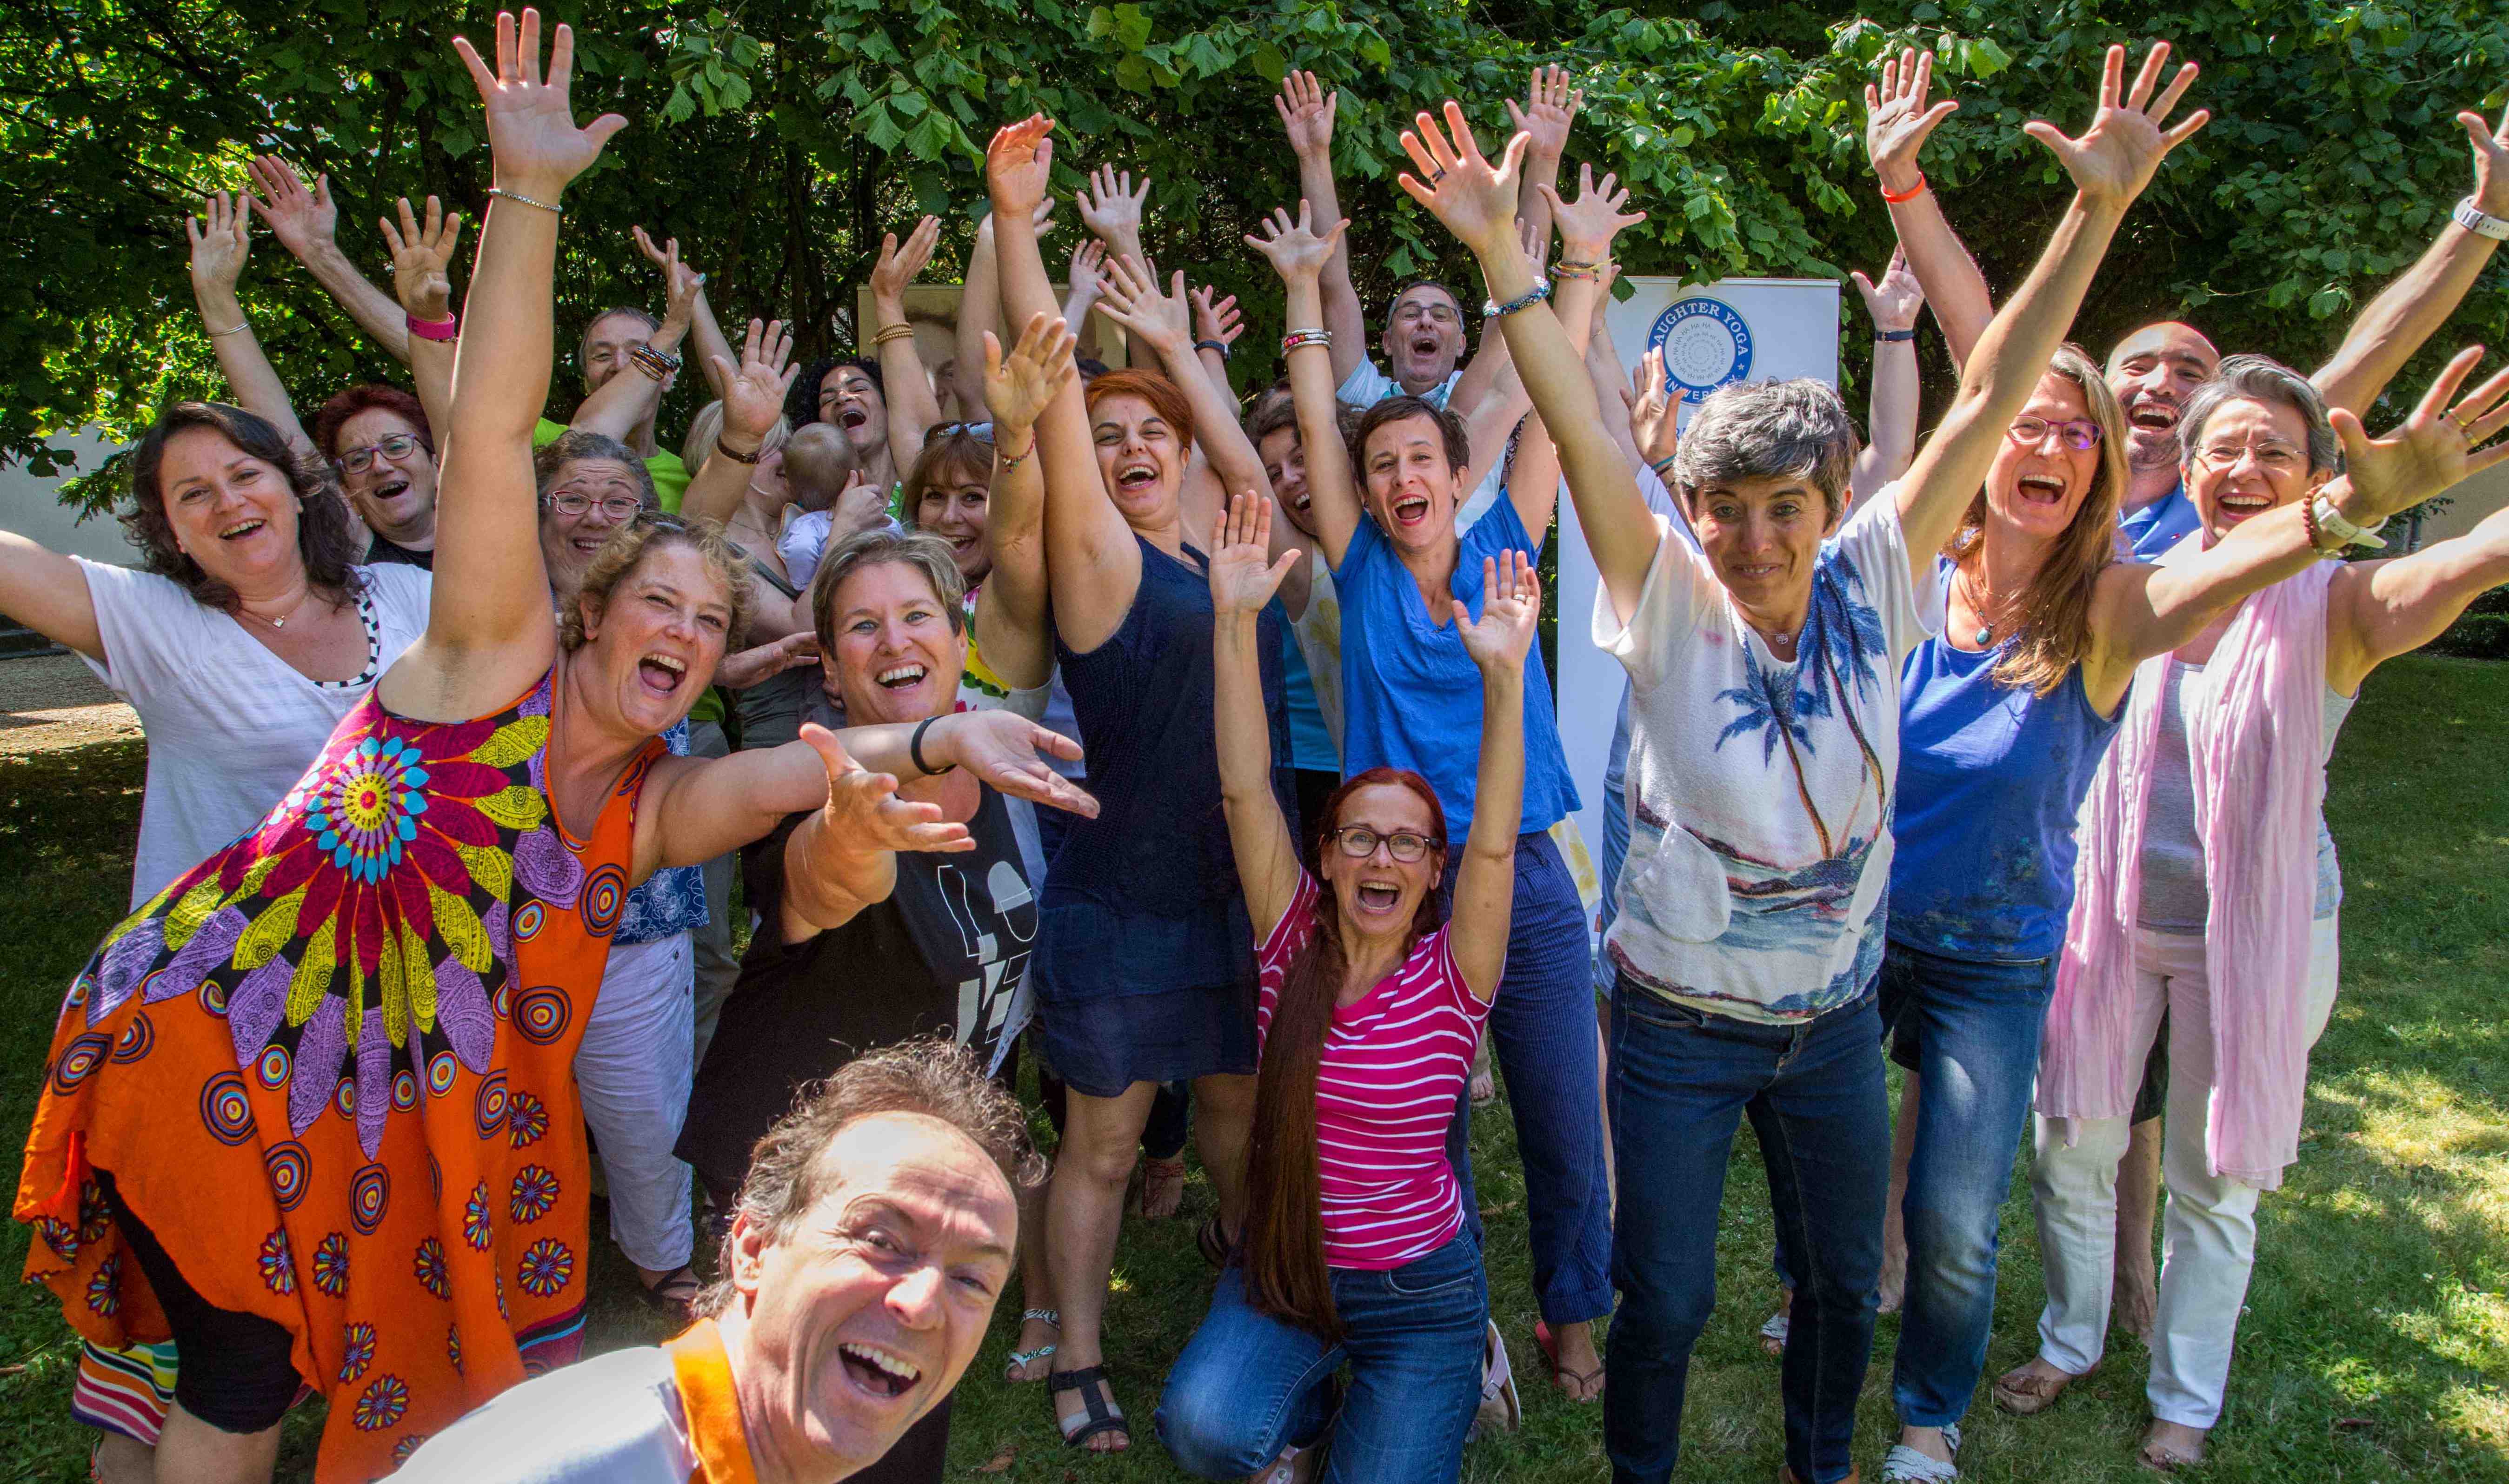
{"x":422,"y":280}
{"x":1215,"y":323}
{"x":1548,"y":112}
{"x":1890,"y":421}
{"x":221,"y":235}
{"x":1485,"y":882}
{"x":304,"y":222}
{"x":1587,"y":227}
{"x":2110,"y":163}
{"x":1307,"y":114}
{"x":705,"y":336}
{"x":2412,"y":308}
{"x":490,"y":633}
{"x":1897,"y":123}
{"x":1244,"y":576}
{"x":1299,"y":253}
{"x":619,"y":405}
{"x":1014,"y":629}
{"x":1111,"y":205}
{"x":913,"y":409}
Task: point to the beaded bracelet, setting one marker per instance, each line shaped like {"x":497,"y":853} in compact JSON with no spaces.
{"x":1011,"y":462}
{"x":524,"y":201}
{"x":1492,"y":310}
{"x":1298,"y":340}
{"x":1572,"y":269}
{"x":657,"y":364}
{"x":888,"y":332}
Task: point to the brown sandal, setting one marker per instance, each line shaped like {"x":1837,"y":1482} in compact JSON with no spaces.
{"x":2025,"y":1393}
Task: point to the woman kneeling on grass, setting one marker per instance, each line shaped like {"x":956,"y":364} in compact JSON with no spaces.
{"x":1355,"y":1246}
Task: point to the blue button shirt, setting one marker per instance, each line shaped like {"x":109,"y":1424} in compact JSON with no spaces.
{"x":2159,"y":525}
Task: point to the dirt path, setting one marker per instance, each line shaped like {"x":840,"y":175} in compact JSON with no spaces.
{"x":56,"y":701}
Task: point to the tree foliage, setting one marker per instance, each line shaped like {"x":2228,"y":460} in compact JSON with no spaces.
{"x":778,"y":140}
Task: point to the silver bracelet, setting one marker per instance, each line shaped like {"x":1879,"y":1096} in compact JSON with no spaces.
{"x":238,"y":330}
{"x":524,"y":201}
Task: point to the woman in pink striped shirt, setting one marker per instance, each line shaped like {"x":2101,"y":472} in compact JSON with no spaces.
{"x":1355,"y":1250}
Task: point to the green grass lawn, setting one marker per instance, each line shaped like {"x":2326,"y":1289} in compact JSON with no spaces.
{"x":2376,"y":1341}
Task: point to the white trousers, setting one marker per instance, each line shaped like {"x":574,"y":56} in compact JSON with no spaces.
{"x":2209,"y":1237}
{"x":632,"y":1072}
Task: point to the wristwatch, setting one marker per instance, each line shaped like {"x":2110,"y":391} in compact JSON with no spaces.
{"x":2339,"y":530}
{"x":2481,"y":223}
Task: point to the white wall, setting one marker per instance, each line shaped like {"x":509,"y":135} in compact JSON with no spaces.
{"x":31,"y":507}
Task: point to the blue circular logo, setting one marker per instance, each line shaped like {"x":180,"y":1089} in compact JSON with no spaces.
{"x":1706,"y":346}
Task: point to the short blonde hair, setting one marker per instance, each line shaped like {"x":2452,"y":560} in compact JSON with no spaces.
{"x":705,"y":430}
{"x":920,"y":551}
{"x":616,"y":562}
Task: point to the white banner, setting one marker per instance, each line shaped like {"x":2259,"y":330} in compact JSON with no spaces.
{"x":1735,"y":330}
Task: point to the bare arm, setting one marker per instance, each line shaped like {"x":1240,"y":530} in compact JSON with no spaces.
{"x":2411,"y":310}
{"x":304,"y":222}
{"x":423,"y":281}
{"x":1896,"y":124}
{"x":2110,"y":163}
{"x":1299,"y":253}
{"x":1165,"y":323}
{"x":1014,"y":628}
{"x":1548,"y":112}
{"x":1243,"y":578}
{"x":45,"y":590}
{"x":1587,"y":227}
{"x":704,"y":333}
{"x":1485,"y":882}
{"x":621,"y":404}
{"x":1307,"y":114}
{"x":490,"y":632}
{"x":221,"y":235}
{"x":913,"y":410}
{"x":980,"y":308}
{"x":1891,"y":422}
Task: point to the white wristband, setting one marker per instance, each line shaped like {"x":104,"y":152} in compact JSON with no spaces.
{"x":2331,"y":521}
{"x":2481,"y":223}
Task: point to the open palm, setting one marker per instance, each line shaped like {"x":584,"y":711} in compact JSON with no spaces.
{"x":753,"y":394}
{"x":1295,"y":250}
{"x":1019,"y":385}
{"x":1473,"y":197}
{"x":1243,"y":575}
{"x":1589,"y":223}
{"x":1018,"y":163}
{"x":532,"y":133}
{"x":2437,"y":446}
{"x":1131,"y":298}
{"x":1511,"y":610}
{"x":422,"y":258}
{"x":1897,"y":120}
{"x":2115,"y":158}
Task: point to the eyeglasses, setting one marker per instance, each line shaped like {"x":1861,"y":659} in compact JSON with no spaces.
{"x":617,"y":506}
{"x":357,"y":460}
{"x":2082,"y":434}
{"x":982,"y":432}
{"x":2273,"y":458}
{"x":1359,"y":842}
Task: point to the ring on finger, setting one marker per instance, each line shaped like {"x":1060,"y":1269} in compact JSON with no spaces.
{"x":1436,"y":175}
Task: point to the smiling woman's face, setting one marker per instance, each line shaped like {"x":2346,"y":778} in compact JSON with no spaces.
{"x":610,"y":494}
{"x":2036,"y":484}
{"x":897,"y":656}
{"x":1140,"y":457}
{"x":1411,"y":486}
{"x":849,"y":400}
{"x":2250,"y":456}
{"x":233,"y":514}
{"x":396,"y":491}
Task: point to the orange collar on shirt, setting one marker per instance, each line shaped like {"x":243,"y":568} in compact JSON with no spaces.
{"x":704,"y":1375}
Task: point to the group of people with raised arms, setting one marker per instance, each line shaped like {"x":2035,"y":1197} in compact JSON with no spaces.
{"x":1201,"y":752}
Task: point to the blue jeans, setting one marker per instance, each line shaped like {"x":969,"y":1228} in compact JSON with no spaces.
{"x":1616,"y":854}
{"x":1681,"y":1082}
{"x":1249,"y":1385}
{"x":1542,"y":1022}
{"x":1975,"y":1027}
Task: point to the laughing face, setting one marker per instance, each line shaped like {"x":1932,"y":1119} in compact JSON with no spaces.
{"x":2153,"y":371}
{"x":2036,"y":484}
{"x":606,"y":341}
{"x":607,"y":494}
{"x":1284,"y":464}
{"x":655,"y":643}
{"x":2250,"y":458}
{"x":1380,"y":895}
{"x":231,"y":512}
{"x":1763,"y":537}
{"x":849,"y":400}
{"x":396,"y":491}
{"x":1411,"y":486}
{"x":953,"y":509}
{"x":897,"y":656}
{"x":1424,"y":338}
{"x":857,"y":1320}
{"x":1140,"y":457}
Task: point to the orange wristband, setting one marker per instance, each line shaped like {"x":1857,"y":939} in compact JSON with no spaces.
{"x":1894,"y":198}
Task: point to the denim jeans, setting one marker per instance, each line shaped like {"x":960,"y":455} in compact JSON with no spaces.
{"x":1249,"y":1385}
{"x":1541,"y":1023}
{"x":1616,"y":854}
{"x":1681,"y":1082}
{"x":1975,"y":1026}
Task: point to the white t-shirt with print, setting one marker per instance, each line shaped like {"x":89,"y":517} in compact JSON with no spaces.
{"x":1761,"y":792}
{"x":231,"y":727}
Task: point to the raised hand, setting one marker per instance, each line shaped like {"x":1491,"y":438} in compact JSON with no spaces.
{"x":753,"y":392}
{"x":1654,"y":411}
{"x":1550,"y":107}
{"x":1018,"y":163}
{"x":1897,"y":120}
{"x":2437,"y":445}
{"x":2490,"y":162}
{"x":221,"y":239}
{"x":681,"y":283}
{"x":1020,"y":385}
{"x":1473,"y":197}
{"x":1588,"y":224}
{"x":1306,"y":113}
{"x":1292,"y":245}
{"x":1008,"y":752}
{"x":1216,"y":319}
{"x":1511,"y":610}
{"x":1243,"y":575}
{"x":863,"y":809}
{"x":1110,"y":206}
{"x":1895,"y":302}
{"x":533,"y":139}
{"x":898,"y":266}
{"x":1088,"y":268}
{"x":2115,"y":158}
{"x":302,"y":220}
{"x":422,"y":258}
{"x":1133,"y":301}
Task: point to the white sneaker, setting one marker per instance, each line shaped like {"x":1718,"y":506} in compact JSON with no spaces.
{"x":1906,"y":1466}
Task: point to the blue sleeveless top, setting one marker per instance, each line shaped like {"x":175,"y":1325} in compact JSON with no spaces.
{"x":1145,"y":896}
{"x":1990,"y":782}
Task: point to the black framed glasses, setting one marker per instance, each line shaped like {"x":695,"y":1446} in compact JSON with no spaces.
{"x":357,"y":460}
{"x":1359,"y":842}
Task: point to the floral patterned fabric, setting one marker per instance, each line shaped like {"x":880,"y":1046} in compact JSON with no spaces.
{"x":349,"y":1035}
{"x":672,"y":900}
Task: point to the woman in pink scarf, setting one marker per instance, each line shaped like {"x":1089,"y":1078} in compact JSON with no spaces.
{"x":2207,"y":886}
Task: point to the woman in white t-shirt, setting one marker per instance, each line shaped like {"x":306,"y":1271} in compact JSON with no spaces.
{"x":1765,"y":667}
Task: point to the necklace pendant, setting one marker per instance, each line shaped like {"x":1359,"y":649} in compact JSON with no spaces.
{"x":1985,"y":635}
{"x":279,"y":624}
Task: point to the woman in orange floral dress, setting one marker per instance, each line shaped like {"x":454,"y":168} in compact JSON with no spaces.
{"x":309,"y":1111}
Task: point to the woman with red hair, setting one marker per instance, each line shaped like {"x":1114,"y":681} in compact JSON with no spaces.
{"x":1356,"y":1249}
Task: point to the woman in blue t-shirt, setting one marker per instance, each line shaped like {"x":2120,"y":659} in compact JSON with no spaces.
{"x":1411,"y":698}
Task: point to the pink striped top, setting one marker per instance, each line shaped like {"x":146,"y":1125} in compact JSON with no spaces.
{"x":1394,"y":1064}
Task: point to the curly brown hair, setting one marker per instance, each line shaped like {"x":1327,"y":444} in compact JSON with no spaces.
{"x":628,"y":546}
{"x":326,"y":537}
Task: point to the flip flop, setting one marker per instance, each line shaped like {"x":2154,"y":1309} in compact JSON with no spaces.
{"x":1549,"y":1344}
{"x":1020,"y":1358}
{"x":675,"y":1295}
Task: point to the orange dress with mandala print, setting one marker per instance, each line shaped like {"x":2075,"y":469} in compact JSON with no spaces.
{"x":331,"y":1070}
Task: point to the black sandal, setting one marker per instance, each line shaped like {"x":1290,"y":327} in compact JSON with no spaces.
{"x":1100,"y":1413}
{"x":675,"y":1294}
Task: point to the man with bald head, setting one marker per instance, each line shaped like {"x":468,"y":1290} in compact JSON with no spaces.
{"x":2153,"y":371}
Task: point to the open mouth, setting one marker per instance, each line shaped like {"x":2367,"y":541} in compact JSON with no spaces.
{"x":901,"y":677}
{"x":2244,"y":505}
{"x":388,"y":491}
{"x":1133,"y":478}
{"x":661,"y":673}
{"x":1378,"y":896}
{"x":2041,"y":490}
{"x":2153,"y":416}
{"x":1425,"y":347}
{"x":1411,"y":509}
{"x":876,"y":1370}
{"x":242,"y":529}
{"x":851,"y":418}
{"x":1298,"y":501}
